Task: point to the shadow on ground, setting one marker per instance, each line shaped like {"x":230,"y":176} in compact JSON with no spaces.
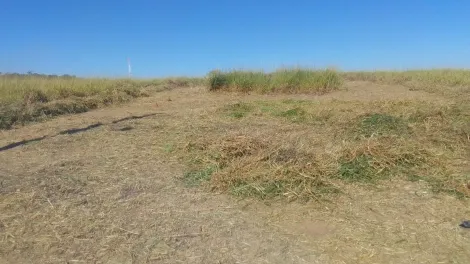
{"x":75,"y":131}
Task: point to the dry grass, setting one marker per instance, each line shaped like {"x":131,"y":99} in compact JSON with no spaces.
{"x":310,"y":149}
{"x":283,"y":81}
{"x":31,"y":98}
{"x":109,"y":195}
{"x":410,"y":139}
{"x":443,"y":81}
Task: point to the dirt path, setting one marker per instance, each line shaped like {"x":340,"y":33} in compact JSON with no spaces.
{"x":111,"y":194}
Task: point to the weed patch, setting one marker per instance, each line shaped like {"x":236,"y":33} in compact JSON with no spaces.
{"x":196,"y":177}
{"x":169,"y":148}
{"x":295,"y":111}
{"x":359,"y":169}
{"x":238,"y":110}
{"x":373,"y":160}
{"x":297,"y":114}
{"x":451,"y":186}
{"x":263,"y":190}
{"x":382,"y":124}
{"x":295,"y":102}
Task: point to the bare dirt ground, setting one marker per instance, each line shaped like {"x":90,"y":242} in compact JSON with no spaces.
{"x":113,"y":194}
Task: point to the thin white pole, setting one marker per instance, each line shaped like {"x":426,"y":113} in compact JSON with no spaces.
{"x":129,"y":69}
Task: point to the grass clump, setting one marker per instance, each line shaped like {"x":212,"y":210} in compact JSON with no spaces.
{"x":293,"y":111}
{"x":296,"y":102}
{"x":368,"y":161}
{"x":295,"y":115}
{"x":257,"y":167}
{"x":280,"y":81}
{"x":238,"y":110}
{"x":450,"y":186}
{"x":381,"y":124}
{"x":196,"y":177}
{"x":358,"y":169}
{"x":263,"y":190}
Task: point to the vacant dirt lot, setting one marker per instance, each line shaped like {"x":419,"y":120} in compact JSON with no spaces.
{"x":113,"y":193}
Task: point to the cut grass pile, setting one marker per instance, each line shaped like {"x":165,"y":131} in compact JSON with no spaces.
{"x":31,"y":98}
{"x":309,"y":150}
{"x":280,"y":81}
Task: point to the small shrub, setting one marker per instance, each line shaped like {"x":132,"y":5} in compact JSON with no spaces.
{"x":8,"y":116}
{"x":61,"y":108}
{"x":217,"y":80}
{"x":33,"y":96}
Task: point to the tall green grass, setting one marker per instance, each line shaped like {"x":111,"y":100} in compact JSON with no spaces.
{"x":283,"y":81}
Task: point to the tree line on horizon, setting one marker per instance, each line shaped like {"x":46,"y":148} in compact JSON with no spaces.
{"x":35,"y":74}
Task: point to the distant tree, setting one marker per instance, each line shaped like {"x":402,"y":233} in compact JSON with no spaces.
{"x":35,"y":74}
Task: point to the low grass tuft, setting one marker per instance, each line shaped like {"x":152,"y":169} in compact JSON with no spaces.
{"x":368,"y":161}
{"x":280,"y":81}
{"x":296,"y":102}
{"x":381,"y":124}
{"x":237,"y":110}
{"x":257,"y":167}
{"x":196,"y":177}
{"x":264,"y":190}
{"x":296,"y":114}
{"x":358,"y":169}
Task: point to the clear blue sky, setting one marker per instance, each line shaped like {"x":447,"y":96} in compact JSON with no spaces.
{"x":176,"y":37}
